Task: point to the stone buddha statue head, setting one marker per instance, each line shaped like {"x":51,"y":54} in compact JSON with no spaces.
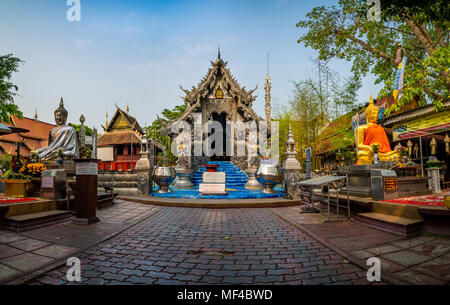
{"x":371,"y":112}
{"x":61,"y":114}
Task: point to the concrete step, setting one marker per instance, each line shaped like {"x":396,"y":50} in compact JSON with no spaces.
{"x":20,"y":223}
{"x":394,"y":224}
{"x":28,"y":207}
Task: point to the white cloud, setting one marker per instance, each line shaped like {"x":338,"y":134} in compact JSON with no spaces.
{"x":80,"y":44}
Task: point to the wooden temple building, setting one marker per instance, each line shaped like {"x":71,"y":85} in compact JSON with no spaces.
{"x":119,"y":146}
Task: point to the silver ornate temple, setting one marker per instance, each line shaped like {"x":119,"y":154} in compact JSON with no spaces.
{"x":221,"y":98}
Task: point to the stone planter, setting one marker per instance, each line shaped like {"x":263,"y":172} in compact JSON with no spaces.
{"x":16,"y":187}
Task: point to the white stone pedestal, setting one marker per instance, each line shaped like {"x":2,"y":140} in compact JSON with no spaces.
{"x":434,"y":179}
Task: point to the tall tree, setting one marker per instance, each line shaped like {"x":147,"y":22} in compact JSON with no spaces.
{"x":344,"y":32}
{"x":154,"y":129}
{"x":8,"y":65}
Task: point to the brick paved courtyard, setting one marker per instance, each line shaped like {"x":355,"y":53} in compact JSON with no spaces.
{"x":212,"y":246}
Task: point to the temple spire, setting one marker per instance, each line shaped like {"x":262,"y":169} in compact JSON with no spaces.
{"x":35,"y":115}
{"x":267,"y":87}
{"x":218,"y":52}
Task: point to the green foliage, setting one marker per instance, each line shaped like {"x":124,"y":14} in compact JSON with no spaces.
{"x":344,"y":32}
{"x":316,"y":100}
{"x":9,"y":174}
{"x":154,"y":130}
{"x":348,"y":154}
{"x":8,"y":65}
{"x":89,"y":130}
{"x":5,"y":162}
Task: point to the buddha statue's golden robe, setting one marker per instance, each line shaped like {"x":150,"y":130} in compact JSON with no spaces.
{"x":372,"y":133}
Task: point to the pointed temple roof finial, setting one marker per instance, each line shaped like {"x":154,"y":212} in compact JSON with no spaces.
{"x":128,"y":108}
{"x":35,"y":115}
{"x":218,"y":52}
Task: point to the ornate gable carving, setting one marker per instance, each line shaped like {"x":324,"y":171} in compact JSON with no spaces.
{"x":219,"y":75}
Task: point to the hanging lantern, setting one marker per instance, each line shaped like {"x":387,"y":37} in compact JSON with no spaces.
{"x":447,"y":145}
{"x":433,"y":145}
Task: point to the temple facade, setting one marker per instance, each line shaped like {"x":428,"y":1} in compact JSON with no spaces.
{"x":219,"y":97}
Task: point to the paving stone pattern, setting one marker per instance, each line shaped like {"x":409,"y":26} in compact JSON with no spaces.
{"x":211,"y":246}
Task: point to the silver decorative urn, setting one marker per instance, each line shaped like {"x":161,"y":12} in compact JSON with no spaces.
{"x":269,"y":175}
{"x":183,"y":180}
{"x":163,"y":176}
{"x":252,"y":183}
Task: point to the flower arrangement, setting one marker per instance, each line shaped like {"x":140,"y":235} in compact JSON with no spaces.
{"x":33,"y":169}
{"x":33,"y":156}
{"x":403,"y":151}
{"x":59,"y":151}
{"x":375,"y":147}
{"x":9,"y":174}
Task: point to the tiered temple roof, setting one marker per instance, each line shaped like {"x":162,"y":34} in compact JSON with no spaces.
{"x":218,"y":73}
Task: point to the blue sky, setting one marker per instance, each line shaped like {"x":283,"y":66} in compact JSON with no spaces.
{"x":138,"y":52}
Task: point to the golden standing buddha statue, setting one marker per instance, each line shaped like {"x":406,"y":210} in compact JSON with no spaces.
{"x":372,"y":133}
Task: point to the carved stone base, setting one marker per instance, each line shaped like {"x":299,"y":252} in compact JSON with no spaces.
{"x":144,"y":183}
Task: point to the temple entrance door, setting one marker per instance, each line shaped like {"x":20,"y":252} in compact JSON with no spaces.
{"x":222,"y":119}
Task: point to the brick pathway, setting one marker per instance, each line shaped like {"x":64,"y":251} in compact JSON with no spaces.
{"x":22,"y":255}
{"x":421,"y":260}
{"x":204,"y":246}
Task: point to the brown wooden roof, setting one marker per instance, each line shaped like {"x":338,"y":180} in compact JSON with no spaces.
{"x":117,"y":137}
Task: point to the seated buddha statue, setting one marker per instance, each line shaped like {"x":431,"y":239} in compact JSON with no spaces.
{"x":62,"y":136}
{"x":372,"y":133}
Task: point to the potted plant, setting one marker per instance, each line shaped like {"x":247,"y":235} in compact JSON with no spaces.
{"x":34,"y":170}
{"x":15,"y":183}
{"x":433,"y":164}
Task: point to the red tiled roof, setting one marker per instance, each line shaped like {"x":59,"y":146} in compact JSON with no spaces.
{"x":37,"y":129}
{"x":37,"y":136}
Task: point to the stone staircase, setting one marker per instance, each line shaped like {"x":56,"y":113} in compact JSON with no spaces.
{"x":23,"y":216}
{"x":235,"y":177}
{"x":392,"y":217}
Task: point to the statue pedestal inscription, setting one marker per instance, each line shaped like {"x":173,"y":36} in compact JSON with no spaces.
{"x":53,"y":184}
{"x":213,"y":183}
{"x":383,"y":184}
{"x":86,"y":191}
